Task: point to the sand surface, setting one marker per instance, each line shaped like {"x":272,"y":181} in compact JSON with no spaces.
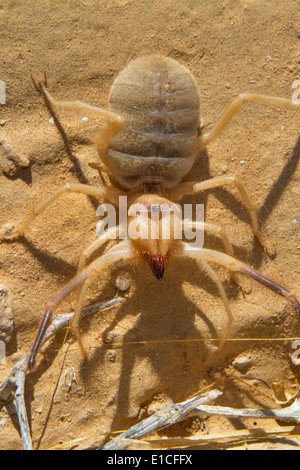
{"x":230,"y":47}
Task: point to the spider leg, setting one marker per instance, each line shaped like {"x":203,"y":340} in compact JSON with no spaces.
{"x":213,"y":275}
{"x":122,"y":251}
{"x":219,"y":231}
{"x":110,"y":234}
{"x":81,"y":105}
{"x":115,"y":124}
{"x":219,"y":181}
{"x":235,"y":106}
{"x":110,"y":193}
{"x":234,"y":265}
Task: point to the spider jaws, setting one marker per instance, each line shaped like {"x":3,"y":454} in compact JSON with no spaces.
{"x":157,"y":228}
{"x":157,"y":263}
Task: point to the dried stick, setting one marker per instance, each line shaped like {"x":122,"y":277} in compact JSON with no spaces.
{"x":13,"y":386}
{"x":41,"y":89}
{"x":172,"y":414}
{"x":169,"y":414}
{"x":16,"y":382}
{"x":221,"y":440}
{"x":290,"y":413}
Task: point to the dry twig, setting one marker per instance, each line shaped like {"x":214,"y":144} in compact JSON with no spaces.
{"x":171,"y":414}
{"x":168,"y":415}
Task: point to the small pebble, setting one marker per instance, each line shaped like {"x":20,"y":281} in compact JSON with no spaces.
{"x":158,"y":403}
{"x":111,"y":356}
{"x":69,"y":377}
{"x":6,"y":317}
{"x":10,"y":161}
{"x":6,"y":230}
{"x":123,"y":282}
{"x":266,"y":155}
{"x":242,"y":363}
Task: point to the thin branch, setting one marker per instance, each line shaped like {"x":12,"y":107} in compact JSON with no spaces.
{"x":41,"y":89}
{"x":224,"y":440}
{"x":168,"y":415}
{"x":196,"y":406}
{"x":290,"y":413}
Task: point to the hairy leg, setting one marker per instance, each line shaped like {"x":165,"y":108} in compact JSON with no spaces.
{"x":194,"y":187}
{"x":235,"y":106}
{"x":115,"y":122}
{"x":110,"y":234}
{"x":110,"y":193}
{"x":213,"y":275}
{"x":122,"y":251}
{"x":234,"y":265}
{"x":219,"y":231}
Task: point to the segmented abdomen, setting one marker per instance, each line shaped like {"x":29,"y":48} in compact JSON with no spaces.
{"x":159,"y":99}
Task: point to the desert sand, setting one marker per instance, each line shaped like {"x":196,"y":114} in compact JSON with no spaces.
{"x":230,"y":47}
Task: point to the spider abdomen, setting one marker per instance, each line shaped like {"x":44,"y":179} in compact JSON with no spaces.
{"x":159,"y":100}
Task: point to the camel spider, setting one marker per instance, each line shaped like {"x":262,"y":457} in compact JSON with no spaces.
{"x":150,"y":143}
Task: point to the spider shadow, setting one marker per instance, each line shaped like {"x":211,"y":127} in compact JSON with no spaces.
{"x":51,"y":263}
{"x":168,"y":335}
{"x":201,"y":172}
{"x":281,"y":183}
